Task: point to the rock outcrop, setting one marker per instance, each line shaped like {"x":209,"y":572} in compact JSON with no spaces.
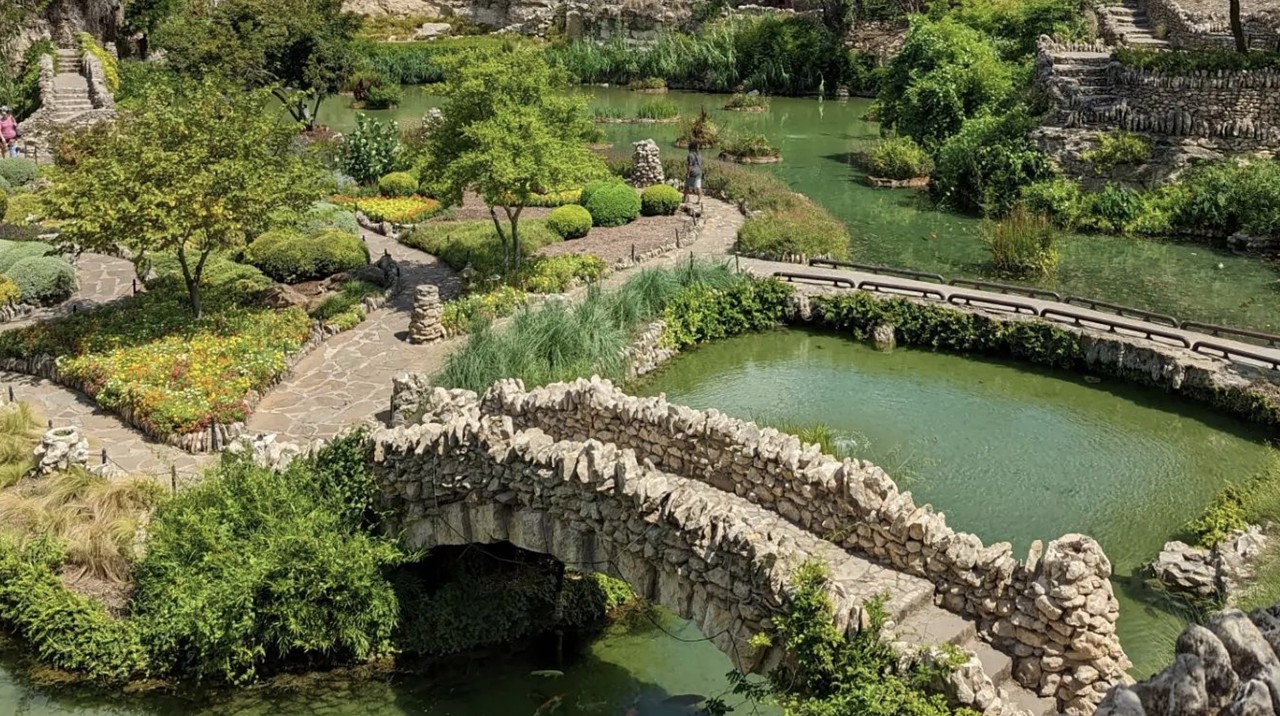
{"x":636,"y":19}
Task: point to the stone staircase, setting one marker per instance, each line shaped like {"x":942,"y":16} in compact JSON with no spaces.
{"x":71,"y":88}
{"x":1083,"y":78}
{"x":1131,"y":26}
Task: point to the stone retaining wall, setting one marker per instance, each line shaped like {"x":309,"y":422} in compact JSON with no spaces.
{"x":1191,"y":30}
{"x":1202,"y":104}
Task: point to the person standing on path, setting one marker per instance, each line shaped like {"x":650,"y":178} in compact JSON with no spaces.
{"x":693,"y":176}
{"x":8,"y":132}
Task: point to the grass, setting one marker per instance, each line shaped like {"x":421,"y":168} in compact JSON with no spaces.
{"x":658,"y":109}
{"x":19,"y":432}
{"x":749,"y":145}
{"x":561,"y":341}
{"x":1022,"y":244}
{"x":820,"y":434}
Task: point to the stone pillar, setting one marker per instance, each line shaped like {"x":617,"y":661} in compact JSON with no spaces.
{"x":425,"y":325}
{"x":647,"y":167}
{"x":61,"y":449}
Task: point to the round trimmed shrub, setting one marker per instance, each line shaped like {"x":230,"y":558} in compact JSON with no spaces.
{"x":660,"y":200}
{"x":18,"y":172}
{"x":9,"y":291}
{"x":11,"y":252}
{"x":44,"y":280}
{"x":323,"y":215}
{"x":592,"y":187}
{"x":292,"y":257}
{"x":570,"y":221}
{"x":614,"y":205}
{"x":398,"y":184}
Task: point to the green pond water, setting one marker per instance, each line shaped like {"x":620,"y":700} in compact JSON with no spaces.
{"x":636,"y":668}
{"x":1006,"y":452}
{"x":899,"y":228}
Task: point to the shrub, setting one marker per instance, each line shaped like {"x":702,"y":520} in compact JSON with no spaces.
{"x":1112,"y":210}
{"x":658,"y":109}
{"x":24,"y":209}
{"x":648,"y":83}
{"x":1227,"y":197}
{"x":9,"y":291}
{"x":660,"y":200}
{"x":570,"y":222}
{"x":323,"y":215}
{"x":557,"y":274}
{"x":459,"y":243}
{"x":1022,"y":244}
{"x":1192,"y":61}
{"x":383,"y":96}
{"x":21,"y":232}
{"x":1117,"y":148}
{"x":252,"y":567}
{"x":986,"y":164}
{"x":403,"y":210}
{"x":110,"y":65}
{"x":224,"y":280}
{"x":592,"y":187}
{"x":292,"y":257}
{"x":459,"y":315}
{"x":800,"y":229}
{"x":749,"y":145}
{"x":44,"y":280}
{"x":397,"y":185}
{"x":1059,"y":199}
{"x":19,"y":172}
{"x":13,"y":252}
{"x":371,"y":151}
{"x":700,"y":129}
{"x":556,"y":198}
{"x":899,"y":158}
{"x":742,"y":100}
{"x":613,"y":205}
{"x":702,"y":313}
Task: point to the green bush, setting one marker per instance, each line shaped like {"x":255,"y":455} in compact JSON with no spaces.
{"x":986,"y":164}
{"x":460,"y":314}
{"x":799,"y":229}
{"x":701,"y":129}
{"x":459,"y":243}
{"x":1191,"y":61}
{"x":899,"y":158}
{"x":701,"y":313}
{"x":224,"y":280}
{"x":592,"y":187}
{"x":557,"y":274}
{"x":293,"y":257}
{"x":749,"y":145}
{"x":19,"y":172}
{"x":1059,"y":199}
{"x":398,"y":184}
{"x":383,"y":96}
{"x":1118,"y":148}
{"x":251,"y":568}
{"x":1227,"y":197}
{"x":570,"y":221}
{"x":347,"y":300}
{"x":65,"y":630}
{"x":1022,"y":244}
{"x":742,"y":100}
{"x":420,"y":63}
{"x":9,"y":291}
{"x":1112,"y":210}
{"x":371,"y":151}
{"x":110,"y":65}
{"x":323,"y":215}
{"x":44,"y":280}
{"x":660,"y":200}
{"x":11,"y":252}
{"x":4,"y":198}
{"x":648,"y":83}
{"x":24,"y":209}
{"x":613,"y":205}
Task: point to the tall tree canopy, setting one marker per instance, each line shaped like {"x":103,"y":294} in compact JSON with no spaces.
{"x":196,"y":170}
{"x":302,"y":50}
{"x":509,"y":131}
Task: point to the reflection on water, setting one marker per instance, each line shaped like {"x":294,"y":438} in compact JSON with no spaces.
{"x":897,"y":227}
{"x":1008,"y":453}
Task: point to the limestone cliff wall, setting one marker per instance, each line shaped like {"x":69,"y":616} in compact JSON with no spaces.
{"x":637,"y":19}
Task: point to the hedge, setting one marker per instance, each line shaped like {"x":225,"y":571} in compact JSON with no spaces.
{"x":44,"y":280}
{"x":613,"y":205}
{"x":570,"y":221}
{"x":292,"y":257}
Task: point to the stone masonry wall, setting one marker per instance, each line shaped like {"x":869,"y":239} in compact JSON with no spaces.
{"x":1193,"y":28}
{"x":1055,"y":612}
{"x":1228,"y":667}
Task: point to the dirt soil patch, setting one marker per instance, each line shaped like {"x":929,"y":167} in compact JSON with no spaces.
{"x":613,"y":244}
{"x":473,"y":207}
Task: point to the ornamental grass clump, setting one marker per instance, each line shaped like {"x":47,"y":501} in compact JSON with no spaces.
{"x":799,"y":228}
{"x":1022,"y":244}
{"x":899,"y":157}
{"x":658,"y":109}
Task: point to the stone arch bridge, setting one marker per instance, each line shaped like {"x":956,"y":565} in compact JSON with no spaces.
{"x":710,"y":516}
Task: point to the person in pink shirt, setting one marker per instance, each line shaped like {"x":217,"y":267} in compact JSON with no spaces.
{"x":9,"y":131}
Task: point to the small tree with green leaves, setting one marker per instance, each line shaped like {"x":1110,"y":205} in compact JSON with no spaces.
{"x":509,"y":132}
{"x":195,"y":170}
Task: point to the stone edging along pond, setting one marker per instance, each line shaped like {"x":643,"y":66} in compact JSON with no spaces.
{"x":217,"y":436}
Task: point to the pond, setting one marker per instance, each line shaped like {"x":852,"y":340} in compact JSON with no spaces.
{"x":1007,"y":452}
{"x":640,"y":666}
{"x":900,"y":228}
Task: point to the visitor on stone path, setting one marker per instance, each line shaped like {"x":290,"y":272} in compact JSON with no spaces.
{"x":8,"y":132}
{"x":693,"y":177}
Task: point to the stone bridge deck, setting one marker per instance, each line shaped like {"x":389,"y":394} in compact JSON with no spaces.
{"x":719,"y":558}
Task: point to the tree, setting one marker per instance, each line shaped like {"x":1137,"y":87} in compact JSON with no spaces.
{"x":302,"y":50}
{"x":508,"y":133}
{"x":1237,"y":27}
{"x":194,"y":171}
{"x":142,"y":17}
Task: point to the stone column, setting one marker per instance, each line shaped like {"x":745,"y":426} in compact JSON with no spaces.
{"x":425,"y":325}
{"x":647,"y":167}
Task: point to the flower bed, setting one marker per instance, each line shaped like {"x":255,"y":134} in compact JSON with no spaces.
{"x":402,"y":210}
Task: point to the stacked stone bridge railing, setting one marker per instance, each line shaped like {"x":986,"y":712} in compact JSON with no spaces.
{"x":710,"y":515}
